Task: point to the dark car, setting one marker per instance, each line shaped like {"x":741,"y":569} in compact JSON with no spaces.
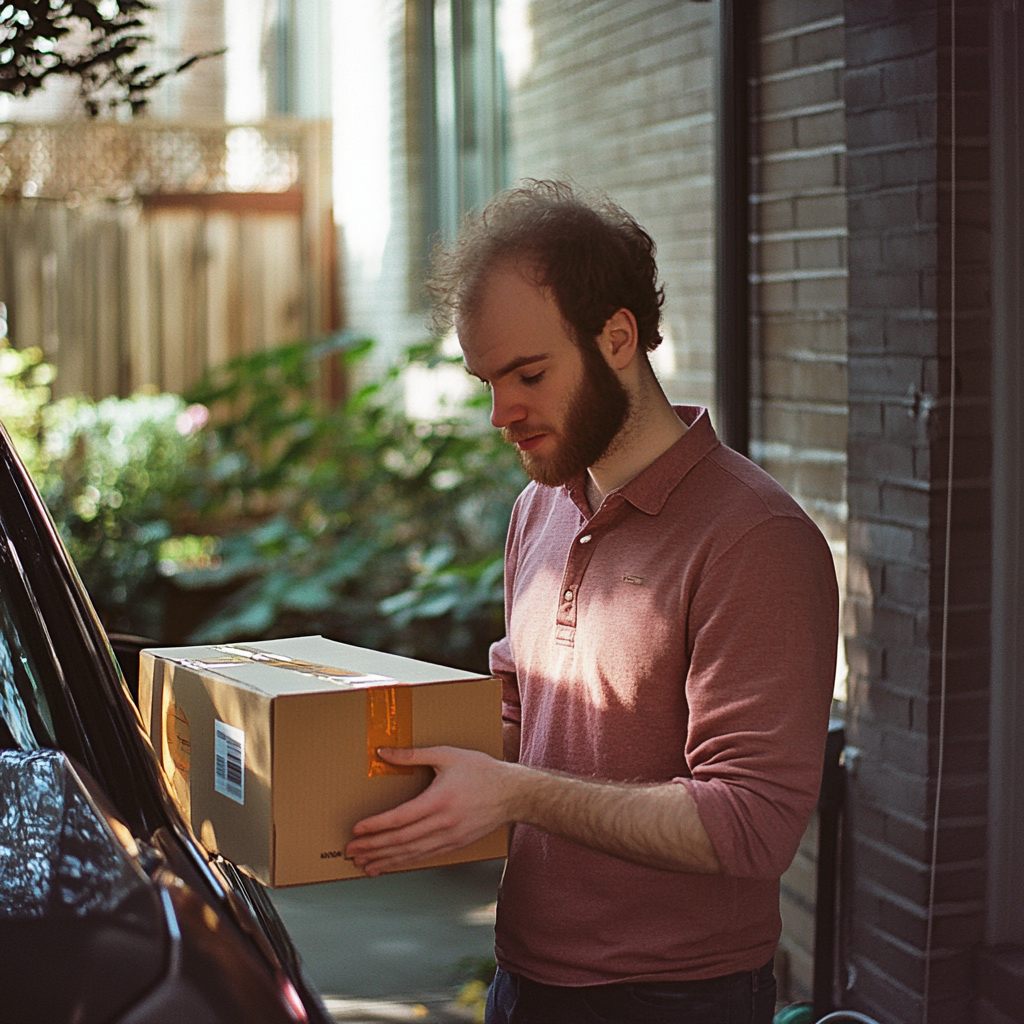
{"x":110,"y":910}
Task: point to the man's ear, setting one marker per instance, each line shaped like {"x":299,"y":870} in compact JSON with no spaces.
{"x":619,"y":339}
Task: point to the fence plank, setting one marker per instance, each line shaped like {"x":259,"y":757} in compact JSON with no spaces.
{"x":219,"y":239}
{"x":124,"y":298}
{"x":130,"y":293}
{"x":283,"y":279}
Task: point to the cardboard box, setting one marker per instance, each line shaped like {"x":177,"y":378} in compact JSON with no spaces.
{"x":270,"y":746}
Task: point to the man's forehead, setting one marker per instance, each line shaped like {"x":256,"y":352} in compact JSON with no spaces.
{"x":511,"y":322}
{"x":507,"y":277}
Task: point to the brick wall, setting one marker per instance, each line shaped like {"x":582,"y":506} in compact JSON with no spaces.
{"x":898,"y":166}
{"x":798,"y":321}
{"x":799,"y":257}
{"x":619,"y":94}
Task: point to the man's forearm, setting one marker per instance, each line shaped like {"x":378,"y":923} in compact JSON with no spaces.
{"x":473,"y":794}
{"x":655,"y":825}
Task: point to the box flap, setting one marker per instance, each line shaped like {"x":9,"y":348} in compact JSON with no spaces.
{"x":310,"y":664}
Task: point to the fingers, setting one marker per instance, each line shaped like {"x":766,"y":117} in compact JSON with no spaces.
{"x":425,"y":839}
{"x":439,"y":758}
{"x":401,"y":858}
{"x":404,"y":814}
{"x":412,"y":809}
{"x":432,"y":836}
{"x":461,"y":805}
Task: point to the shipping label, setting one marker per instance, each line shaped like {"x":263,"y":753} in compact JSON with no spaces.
{"x":229,"y":761}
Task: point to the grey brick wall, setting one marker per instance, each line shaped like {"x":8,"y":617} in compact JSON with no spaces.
{"x":798,"y":324}
{"x":799,"y":257}
{"x":619,"y":95}
{"x":897,"y":89}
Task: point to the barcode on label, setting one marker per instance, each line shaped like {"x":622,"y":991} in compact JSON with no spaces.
{"x":229,"y":761}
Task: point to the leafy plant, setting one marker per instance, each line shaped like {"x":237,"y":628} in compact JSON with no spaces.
{"x":360,"y":523}
{"x":111,"y":474}
{"x":25,"y":380}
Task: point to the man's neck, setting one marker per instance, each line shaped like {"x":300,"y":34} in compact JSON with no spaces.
{"x":652,"y":428}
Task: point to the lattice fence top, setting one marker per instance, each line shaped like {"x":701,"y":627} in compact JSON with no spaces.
{"x":104,"y":160}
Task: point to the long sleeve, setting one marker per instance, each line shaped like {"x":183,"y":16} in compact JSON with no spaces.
{"x":759,"y":688}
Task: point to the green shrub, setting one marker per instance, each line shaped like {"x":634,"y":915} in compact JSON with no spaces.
{"x":358,"y":523}
{"x":25,"y":380}
{"x":111,"y":474}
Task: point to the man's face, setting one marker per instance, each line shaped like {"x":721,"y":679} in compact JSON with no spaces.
{"x":560,"y":406}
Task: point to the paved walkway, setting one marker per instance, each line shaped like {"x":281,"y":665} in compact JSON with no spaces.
{"x":430,"y":1009}
{"x":388,"y":949}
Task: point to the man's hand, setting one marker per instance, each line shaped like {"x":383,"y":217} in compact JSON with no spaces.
{"x":473,"y":794}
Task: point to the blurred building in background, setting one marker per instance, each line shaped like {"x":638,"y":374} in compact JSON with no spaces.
{"x":441,"y":104}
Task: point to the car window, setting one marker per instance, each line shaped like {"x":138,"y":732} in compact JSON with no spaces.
{"x":23,"y":705}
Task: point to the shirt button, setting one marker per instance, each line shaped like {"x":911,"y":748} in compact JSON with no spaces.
{"x":586,"y":539}
{"x":568,"y":595}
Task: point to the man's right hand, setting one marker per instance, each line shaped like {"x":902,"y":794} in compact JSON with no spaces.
{"x":471,"y":796}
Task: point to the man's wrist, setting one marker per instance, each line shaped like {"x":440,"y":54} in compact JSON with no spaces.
{"x":519,"y":784}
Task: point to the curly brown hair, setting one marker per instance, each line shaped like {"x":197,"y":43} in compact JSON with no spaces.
{"x":588,"y":250}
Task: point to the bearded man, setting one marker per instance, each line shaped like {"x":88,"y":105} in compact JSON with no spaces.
{"x":671,"y":619}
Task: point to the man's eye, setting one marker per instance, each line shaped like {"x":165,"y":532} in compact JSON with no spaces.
{"x":533,"y":379}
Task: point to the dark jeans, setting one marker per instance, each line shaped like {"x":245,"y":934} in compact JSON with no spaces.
{"x":747,"y":997}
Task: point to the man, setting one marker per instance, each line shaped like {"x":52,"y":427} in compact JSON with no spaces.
{"x":670,"y":650}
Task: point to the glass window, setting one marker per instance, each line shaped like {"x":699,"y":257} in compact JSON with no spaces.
{"x":23,"y":705}
{"x":470,"y":109}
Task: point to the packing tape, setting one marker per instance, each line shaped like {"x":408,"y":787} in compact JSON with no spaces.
{"x":388,"y":724}
{"x":240,"y":654}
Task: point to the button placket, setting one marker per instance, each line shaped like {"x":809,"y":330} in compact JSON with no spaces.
{"x":580,"y":553}
{"x":567,"y":605}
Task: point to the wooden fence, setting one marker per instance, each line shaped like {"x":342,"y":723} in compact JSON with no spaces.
{"x":136,"y":256}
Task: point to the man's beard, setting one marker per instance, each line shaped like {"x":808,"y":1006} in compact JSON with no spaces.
{"x":593,"y":418}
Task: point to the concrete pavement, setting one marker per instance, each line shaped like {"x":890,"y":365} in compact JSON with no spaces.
{"x":396,"y":940}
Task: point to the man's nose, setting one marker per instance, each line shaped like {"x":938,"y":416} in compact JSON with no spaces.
{"x":505,"y":412}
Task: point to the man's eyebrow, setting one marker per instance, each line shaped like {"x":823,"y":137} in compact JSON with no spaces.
{"x":509,"y":367}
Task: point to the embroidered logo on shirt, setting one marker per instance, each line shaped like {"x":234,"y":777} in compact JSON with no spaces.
{"x":637,"y":581}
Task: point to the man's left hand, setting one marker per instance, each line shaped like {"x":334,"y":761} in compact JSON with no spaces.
{"x":470,"y":797}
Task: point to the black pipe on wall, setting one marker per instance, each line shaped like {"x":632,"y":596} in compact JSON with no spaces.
{"x":732,"y":245}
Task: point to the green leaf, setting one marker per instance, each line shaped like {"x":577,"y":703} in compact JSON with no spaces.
{"x":310,"y":596}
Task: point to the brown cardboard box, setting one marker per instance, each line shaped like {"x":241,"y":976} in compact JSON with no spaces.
{"x":270,"y":746}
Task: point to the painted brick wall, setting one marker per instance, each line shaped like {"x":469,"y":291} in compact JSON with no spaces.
{"x":798,"y":325}
{"x":897,"y":90}
{"x":619,"y":95}
{"x":799,"y":257}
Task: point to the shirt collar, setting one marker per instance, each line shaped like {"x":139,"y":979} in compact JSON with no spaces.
{"x":649,"y":489}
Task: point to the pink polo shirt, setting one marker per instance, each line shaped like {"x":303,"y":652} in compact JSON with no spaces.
{"x":685,"y":631}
